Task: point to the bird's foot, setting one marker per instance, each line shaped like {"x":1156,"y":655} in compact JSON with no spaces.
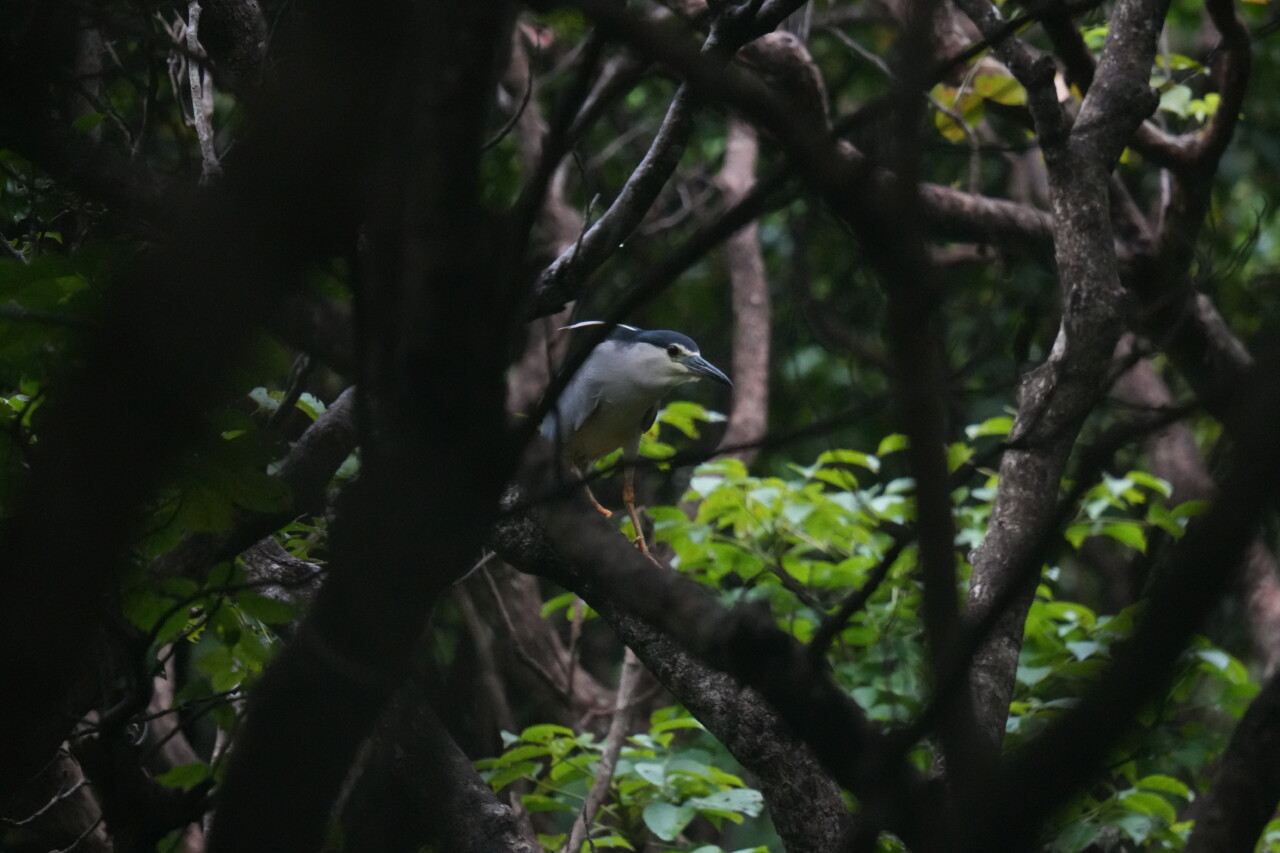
{"x":643,"y":547}
{"x":595,"y":503}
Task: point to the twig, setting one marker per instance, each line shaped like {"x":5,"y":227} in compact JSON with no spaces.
{"x":522,"y":653}
{"x":519,"y":113}
{"x":619,"y":728}
{"x":201,"y":99}
{"x":11,"y":250}
{"x":57,"y":798}
{"x":833,"y":624}
{"x":303,"y":367}
{"x":212,"y":698}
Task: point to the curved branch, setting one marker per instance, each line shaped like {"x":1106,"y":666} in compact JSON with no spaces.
{"x":306,"y":471}
{"x":1055,"y":398}
{"x":804,"y":801}
{"x":583,"y":552}
{"x":1200,"y":568}
{"x":563,"y":279}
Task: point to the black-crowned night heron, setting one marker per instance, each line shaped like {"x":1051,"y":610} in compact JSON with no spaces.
{"x":614,"y":396}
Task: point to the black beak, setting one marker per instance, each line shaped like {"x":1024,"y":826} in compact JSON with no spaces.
{"x":700,"y":365}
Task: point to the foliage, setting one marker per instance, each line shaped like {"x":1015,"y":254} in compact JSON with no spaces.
{"x":807,"y":526}
{"x":661,"y":782}
{"x":801,"y":544}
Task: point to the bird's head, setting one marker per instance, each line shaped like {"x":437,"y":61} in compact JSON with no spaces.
{"x":655,"y":360}
{"x":672,"y":358}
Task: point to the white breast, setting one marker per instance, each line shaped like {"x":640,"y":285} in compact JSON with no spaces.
{"x":609,"y":414}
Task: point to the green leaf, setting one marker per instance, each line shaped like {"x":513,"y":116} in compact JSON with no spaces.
{"x":1001,"y":88}
{"x":1159,"y":516}
{"x":1205,"y":109}
{"x":966,"y":104}
{"x":1000,"y":426}
{"x":1094,"y":37}
{"x":1176,"y":99}
{"x":891,"y":444}
{"x":310,"y":405}
{"x":267,"y":401}
{"x":87,"y":122}
{"x":1152,"y":482}
{"x":1189,"y":509}
{"x":522,"y":753}
{"x":1146,"y":803}
{"x":1083,"y":648}
{"x":560,"y":602}
{"x":520,"y":770}
{"x":540,"y":803}
{"x":1165,"y":785}
{"x":1178,"y":62}
{"x":1136,"y":826}
{"x":1127,"y":533}
{"x":838,"y":477}
{"x":1077,"y":533}
{"x":544,"y":733}
{"x":958,"y":454}
{"x":666,"y":820}
{"x":1033,"y":675}
{"x":703,"y":486}
{"x":184,"y":776}
{"x":653,"y":773}
{"x":222,"y":669}
{"x":264,"y":609}
{"x":678,"y":723}
{"x":745,"y":801}
{"x":849,"y":457}
{"x":1074,"y":837}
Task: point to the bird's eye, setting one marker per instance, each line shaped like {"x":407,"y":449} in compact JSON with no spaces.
{"x":673,"y":350}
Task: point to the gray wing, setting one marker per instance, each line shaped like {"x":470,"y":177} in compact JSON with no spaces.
{"x":649,"y":417}
{"x":576,"y":403}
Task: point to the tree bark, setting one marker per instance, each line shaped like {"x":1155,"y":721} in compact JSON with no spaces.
{"x":752,"y":324}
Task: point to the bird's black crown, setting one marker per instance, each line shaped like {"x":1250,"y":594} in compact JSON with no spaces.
{"x":660,"y":338}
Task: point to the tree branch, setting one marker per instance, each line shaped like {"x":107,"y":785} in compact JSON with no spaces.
{"x":1199,"y":570}
{"x":803,"y":800}
{"x":1055,"y":398}
{"x":748,"y":416}
{"x":582,"y":552}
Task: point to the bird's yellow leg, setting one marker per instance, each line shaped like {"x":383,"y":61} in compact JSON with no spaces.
{"x":629,"y":501}
{"x":595,"y":503}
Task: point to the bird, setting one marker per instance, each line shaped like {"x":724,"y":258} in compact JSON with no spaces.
{"x":613,"y":398}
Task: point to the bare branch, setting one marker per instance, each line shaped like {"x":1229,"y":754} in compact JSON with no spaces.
{"x":619,"y":729}
{"x":563,"y":279}
{"x":803,"y":799}
{"x":582,"y":551}
{"x":201,"y":98}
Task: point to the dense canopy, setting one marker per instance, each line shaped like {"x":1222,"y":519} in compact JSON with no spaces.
{"x":977,"y":554}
